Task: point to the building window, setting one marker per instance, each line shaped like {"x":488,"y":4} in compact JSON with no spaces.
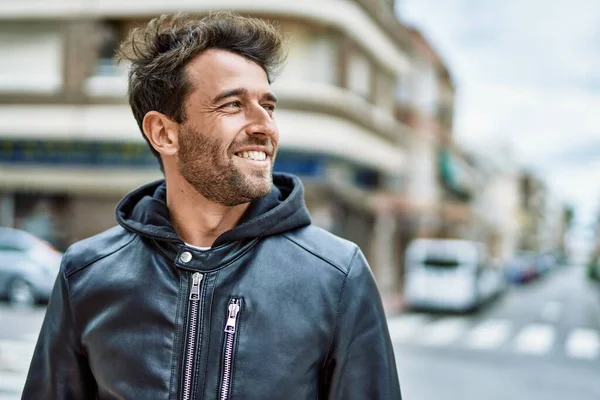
{"x":402,"y":90}
{"x":109,"y":79}
{"x":359,"y":74}
{"x":312,"y":56}
{"x":403,"y":99}
{"x":109,"y":41}
{"x":32,"y":59}
{"x":427,"y":91}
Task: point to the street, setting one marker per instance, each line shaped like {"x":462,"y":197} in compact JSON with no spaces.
{"x":539,"y":341}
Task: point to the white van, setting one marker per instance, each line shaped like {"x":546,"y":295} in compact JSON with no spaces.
{"x":446,"y":274}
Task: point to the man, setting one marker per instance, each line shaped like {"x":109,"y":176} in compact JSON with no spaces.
{"x":214,"y":285}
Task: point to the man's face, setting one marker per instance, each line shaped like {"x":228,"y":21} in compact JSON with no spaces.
{"x":228,"y":141}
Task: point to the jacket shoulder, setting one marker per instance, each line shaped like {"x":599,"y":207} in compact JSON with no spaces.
{"x":87,"y":251}
{"x":325,"y":245}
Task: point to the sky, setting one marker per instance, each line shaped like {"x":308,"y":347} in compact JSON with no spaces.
{"x":528,"y":76}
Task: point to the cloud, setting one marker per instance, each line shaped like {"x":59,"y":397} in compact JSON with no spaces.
{"x":528,"y":73}
{"x":532,"y":41}
{"x":540,"y":122}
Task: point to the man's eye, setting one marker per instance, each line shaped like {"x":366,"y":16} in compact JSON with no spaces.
{"x":269,"y":107}
{"x":233,"y":104}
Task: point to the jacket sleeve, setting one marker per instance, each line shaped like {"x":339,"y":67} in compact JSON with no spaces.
{"x":361,"y":364}
{"x":59,"y":368}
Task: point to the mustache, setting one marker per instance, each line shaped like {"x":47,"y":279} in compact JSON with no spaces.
{"x":254,"y":141}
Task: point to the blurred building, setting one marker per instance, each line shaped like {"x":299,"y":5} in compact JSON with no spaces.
{"x":364,"y":108}
{"x":437,"y":192}
{"x":554,"y":225}
{"x":545,"y":220}
{"x":533,"y":205}
{"x":496,"y":207}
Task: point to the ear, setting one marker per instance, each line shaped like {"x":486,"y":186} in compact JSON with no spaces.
{"x":162,"y":133}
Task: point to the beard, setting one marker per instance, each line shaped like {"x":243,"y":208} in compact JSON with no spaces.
{"x":211,"y":170}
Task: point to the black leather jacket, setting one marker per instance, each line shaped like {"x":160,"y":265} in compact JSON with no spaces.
{"x":276,"y":309}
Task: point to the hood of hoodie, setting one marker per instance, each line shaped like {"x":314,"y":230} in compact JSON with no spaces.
{"x":144,"y":211}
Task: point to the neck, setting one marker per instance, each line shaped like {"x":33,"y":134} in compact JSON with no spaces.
{"x":197,"y":220}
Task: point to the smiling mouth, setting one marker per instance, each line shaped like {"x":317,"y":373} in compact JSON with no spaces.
{"x":252,"y":155}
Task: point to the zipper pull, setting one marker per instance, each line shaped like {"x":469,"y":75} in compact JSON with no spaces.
{"x":234,"y":309}
{"x":195,"y":292}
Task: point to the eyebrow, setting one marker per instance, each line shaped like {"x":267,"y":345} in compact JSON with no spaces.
{"x":240,"y":92}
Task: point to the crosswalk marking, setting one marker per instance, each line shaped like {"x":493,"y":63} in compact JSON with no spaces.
{"x":535,"y":339}
{"x":444,"y":331}
{"x":404,"y":327}
{"x":492,"y":334}
{"x":488,"y":335}
{"x":583,"y":343}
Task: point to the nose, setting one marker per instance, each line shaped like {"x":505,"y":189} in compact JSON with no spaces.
{"x":262,"y":123}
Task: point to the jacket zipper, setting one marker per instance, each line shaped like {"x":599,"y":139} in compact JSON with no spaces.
{"x":191,"y":339}
{"x":233,"y":310}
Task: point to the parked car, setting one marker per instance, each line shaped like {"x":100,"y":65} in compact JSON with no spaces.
{"x":450,"y":275}
{"x":522,"y":268}
{"x":28,"y":267}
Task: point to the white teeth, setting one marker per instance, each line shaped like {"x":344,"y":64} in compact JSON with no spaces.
{"x":254,"y":155}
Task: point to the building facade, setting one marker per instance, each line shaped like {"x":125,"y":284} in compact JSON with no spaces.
{"x":364,"y":107}
{"x":496,"y":202}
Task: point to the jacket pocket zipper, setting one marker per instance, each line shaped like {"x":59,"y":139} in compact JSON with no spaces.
{"x":191,"y":339}
{"x":231,"y":326}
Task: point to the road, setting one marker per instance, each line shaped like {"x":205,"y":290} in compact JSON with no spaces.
{"x":540,"y":341}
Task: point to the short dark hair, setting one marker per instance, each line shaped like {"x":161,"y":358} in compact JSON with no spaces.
{"x":160,"y":51}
